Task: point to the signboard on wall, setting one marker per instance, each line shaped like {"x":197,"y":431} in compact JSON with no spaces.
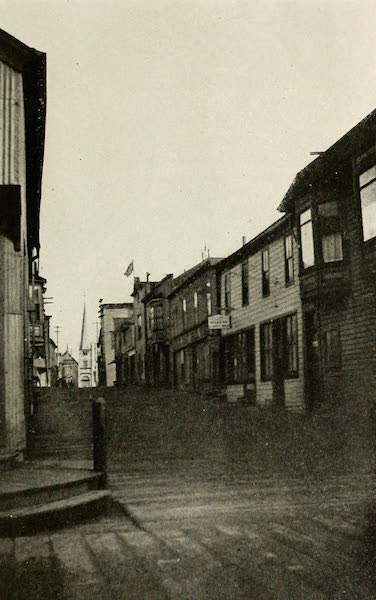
{"x":219,"y":322}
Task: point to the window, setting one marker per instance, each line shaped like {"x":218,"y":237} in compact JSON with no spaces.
{"x":228,"y":290}
{"x":208,"y":303}
{"x":85,"y":364}
{"x":195,"y":306}
{"x":331,"y":247}
{"x":367,"y":187}
{"x":332,"y":349}
{"x":158,"y":317}
{"x":240,"y":357}
{"x":265,"y":272}
{"x":330,"y":228}
{"x":182,"y":365}
{"x":306,"y":239}
{"x":151,"y":320}
{"x":184,"y":308}
{"x":245,"y":283}
{"x":266,"y":349}
{"x":139,"y":327}
{"x":289,"y":261}
{"x":292,"y":345}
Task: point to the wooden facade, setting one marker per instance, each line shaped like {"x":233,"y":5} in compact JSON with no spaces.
{"x":157,"y":355}
{"x":194,"y":349}
{"x":263,"y":349}
{"x":22,"y":126}
{"x":337,"y":270}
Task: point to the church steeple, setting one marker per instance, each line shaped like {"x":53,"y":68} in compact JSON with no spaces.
{"x":84,"y":343}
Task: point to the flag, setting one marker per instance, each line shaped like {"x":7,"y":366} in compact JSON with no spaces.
{"x":129,"y":269}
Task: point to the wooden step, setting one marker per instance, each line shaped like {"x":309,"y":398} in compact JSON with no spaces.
{"x":36,"y":493}
{"x":27,"y":520}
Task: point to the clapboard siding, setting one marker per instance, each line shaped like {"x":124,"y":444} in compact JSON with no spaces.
{"x":282,"y":300}
{"x":13,"y":266}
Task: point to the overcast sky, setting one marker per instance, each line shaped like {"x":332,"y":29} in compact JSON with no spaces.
{"x":171,"y":124}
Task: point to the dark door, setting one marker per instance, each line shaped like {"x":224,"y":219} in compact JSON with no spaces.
{"x":312,"y":362}
{"x":279,"y":363}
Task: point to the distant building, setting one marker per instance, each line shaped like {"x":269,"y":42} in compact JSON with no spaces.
{"x":140,"y":289}
{"x":194,"y":348}
{"x":22,"y":132}
{"x":68,"y":370}
{"x":109,"y":313}
{"x":157,"y":355}
{"x":125,"y":352}
{"x":87,"y":362}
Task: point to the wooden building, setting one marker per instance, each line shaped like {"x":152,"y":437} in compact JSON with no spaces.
{"x":109,"y":315}
{"x":333,"y":204}
{"x":125,"y":352}
{"x":194,"y":349}
{"x":157,"y":357}
{"x":262,"y":349}
{"x":22,"y":131}
{"x":140,"y":289}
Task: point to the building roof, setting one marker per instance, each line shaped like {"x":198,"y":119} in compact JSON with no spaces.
{"x":84,"y":343}
{"x":138,"y":285}
{"x":32,"y":64}
{"x":354,"y":141}
{"x":117,"y":305}
{"x":185,"y":278}
{"x":68,"y":356}
{"x":158,"y":290}
{"x":254,"y":245}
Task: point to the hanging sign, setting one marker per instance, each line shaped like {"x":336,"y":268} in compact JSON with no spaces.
{"x":219,"y":322}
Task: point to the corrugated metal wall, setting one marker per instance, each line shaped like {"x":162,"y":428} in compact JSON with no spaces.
{"x":13,"y":267}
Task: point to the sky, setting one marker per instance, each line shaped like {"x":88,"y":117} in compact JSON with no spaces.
{"x":172,"y":124}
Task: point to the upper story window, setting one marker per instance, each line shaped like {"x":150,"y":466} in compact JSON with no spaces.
{"x":158,"y":317}
{"x":330,"y":229}
{"x":228,"y":290}
{"x":195,"y":306}
{"x":289,"y":260}
{"x":265,"y":272}
{"x":151,"y":321}
{"x":208,"y":300}
{"x":306,"y":239}
{"x":139,"y":327}
{"x":184,"y":310}
{"x":367,"y":187}
{"x":245,"y":283}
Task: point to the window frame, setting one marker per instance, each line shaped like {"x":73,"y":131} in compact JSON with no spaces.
{"x":266,"y":351}
{"x":139,"y":326}
{"x":310,"y":222}
{"x":227,"y":289}
{"x":245,"y":282}
{"x":184,"y":312}
{"x":291,"y":344}
{"x":363,"y":168}
{"x":289,"y":260}
{"x":265,"y":273}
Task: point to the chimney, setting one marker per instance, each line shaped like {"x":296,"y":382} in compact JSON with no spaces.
{"x":243,"y":240}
